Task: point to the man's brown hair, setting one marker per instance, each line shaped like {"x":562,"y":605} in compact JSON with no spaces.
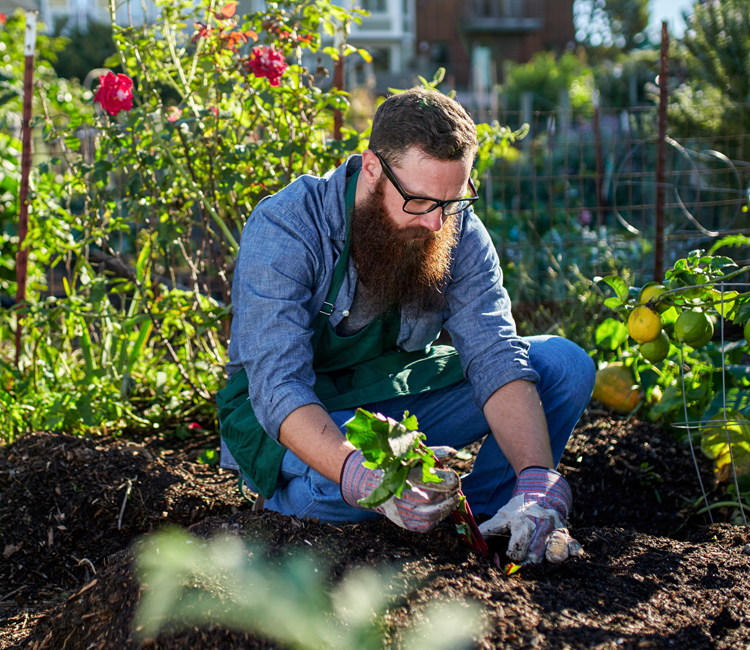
{"x":426,"y":119}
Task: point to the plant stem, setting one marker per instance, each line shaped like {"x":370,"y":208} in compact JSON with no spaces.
{"x":475,"y":538}
{"x":723,"y":504}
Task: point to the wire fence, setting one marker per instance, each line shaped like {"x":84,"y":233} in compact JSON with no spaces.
{"x":577,"y":196}
{"x":579,"y":193}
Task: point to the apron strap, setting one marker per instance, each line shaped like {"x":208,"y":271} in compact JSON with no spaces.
{"x":339,"y":271}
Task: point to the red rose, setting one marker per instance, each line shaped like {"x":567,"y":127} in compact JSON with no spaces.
{"x":3,"y":19}
{"x":267,"y":62}
{"x":115,"y":93}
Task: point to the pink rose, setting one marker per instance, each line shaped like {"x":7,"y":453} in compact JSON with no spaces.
{"x":115,"y":93}
{"x":267,"y":62}
{"x":3,"y":19}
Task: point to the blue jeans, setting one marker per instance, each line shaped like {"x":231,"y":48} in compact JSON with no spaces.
{"x":449,"y":416}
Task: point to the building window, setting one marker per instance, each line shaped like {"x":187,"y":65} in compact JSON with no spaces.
{"x":381,"y":59}
{"x":374,"y":6}
{"x":440,"y":54}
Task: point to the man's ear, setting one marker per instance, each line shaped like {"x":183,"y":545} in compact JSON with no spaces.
{"x":371,"y":168}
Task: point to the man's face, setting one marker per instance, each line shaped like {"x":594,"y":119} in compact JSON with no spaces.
{"x":404,"y":259}
{"x":419,"y":175}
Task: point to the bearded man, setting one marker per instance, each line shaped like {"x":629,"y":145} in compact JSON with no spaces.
{"x":342,"y":286}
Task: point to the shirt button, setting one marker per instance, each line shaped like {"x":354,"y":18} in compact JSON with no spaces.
{"x":345,"y":313}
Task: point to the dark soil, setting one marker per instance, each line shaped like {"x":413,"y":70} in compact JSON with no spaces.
{"x":655,"y":575}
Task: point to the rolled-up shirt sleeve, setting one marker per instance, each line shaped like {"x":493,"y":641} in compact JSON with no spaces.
{"x":273,"y":291}
{"x":480,"y":320}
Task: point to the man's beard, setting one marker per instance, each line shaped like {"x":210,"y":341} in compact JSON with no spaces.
{"x":397,"y":270}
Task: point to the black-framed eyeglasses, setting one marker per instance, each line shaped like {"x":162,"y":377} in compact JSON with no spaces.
{"x":423,"y":204}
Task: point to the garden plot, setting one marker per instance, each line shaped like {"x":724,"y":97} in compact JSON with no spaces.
{"x":655,"y":575}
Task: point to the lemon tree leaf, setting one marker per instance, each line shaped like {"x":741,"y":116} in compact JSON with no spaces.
{"x":727,"y":443}
{"x":611,"y":334}
{"x":618,"y":284}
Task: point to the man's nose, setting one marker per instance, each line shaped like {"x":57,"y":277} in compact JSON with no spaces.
{"x":433,"y":220}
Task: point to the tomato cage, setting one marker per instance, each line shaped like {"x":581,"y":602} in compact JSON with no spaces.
{"x":730,"y":436}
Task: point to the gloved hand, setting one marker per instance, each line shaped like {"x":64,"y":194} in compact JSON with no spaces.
{"x":536,"y":518}
{"x":419,"y":508}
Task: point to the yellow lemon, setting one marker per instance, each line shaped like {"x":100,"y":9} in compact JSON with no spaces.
{"x":694,"y":328}
{"x":651,"y":292}
{"x":656,"y":350}
{"x":644,"y":324}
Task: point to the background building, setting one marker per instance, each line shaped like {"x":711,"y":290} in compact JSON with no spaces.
{"x":471,"y":39}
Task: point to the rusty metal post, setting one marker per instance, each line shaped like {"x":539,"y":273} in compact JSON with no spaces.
{"x":339,"y":68}
{"x":22,"y":256}
{"x":599,"y":164}
{"x":338,"y":83}
{"x":661,"y":150}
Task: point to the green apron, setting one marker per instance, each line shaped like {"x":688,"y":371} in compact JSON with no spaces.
{"x":350,"y":371}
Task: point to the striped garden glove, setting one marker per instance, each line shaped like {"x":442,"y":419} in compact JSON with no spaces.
{"x":536,"y":517}
{"x":419,"y":508}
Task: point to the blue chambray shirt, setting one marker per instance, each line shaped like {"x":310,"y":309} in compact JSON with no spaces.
{"x":288,"y":251}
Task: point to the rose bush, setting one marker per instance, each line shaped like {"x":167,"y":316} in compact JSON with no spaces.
{"x":140,"y":224}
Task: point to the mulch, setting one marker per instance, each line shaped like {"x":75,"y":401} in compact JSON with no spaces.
{"x":656,"y":574}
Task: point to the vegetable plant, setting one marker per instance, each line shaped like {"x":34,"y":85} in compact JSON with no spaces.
{"x":225,"y":582}
{"x":396,"y":448}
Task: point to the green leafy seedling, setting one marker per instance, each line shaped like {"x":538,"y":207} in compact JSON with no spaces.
{"x":394,"y":447}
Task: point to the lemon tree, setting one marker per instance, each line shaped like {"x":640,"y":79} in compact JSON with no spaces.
{"x":663,"y":324}
{"x":684,"y":368}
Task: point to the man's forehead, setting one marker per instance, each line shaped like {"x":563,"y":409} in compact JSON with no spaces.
{"x":420,"y":156}
{"x":418,"y":173}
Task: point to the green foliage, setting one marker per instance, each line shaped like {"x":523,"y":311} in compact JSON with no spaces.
{"x":704,"y":383}
{"x":718,"y":47}
{"x":394,"y":447}
{"x":615,"y":74}
{"x":715,"y":52}
{"x":55,"y":102}
{"x":608,"y":24}
{"x":187,"y":582}
{"x":137,"y":222}
{"x":547,"y":76}
{"x":10,"y":184}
